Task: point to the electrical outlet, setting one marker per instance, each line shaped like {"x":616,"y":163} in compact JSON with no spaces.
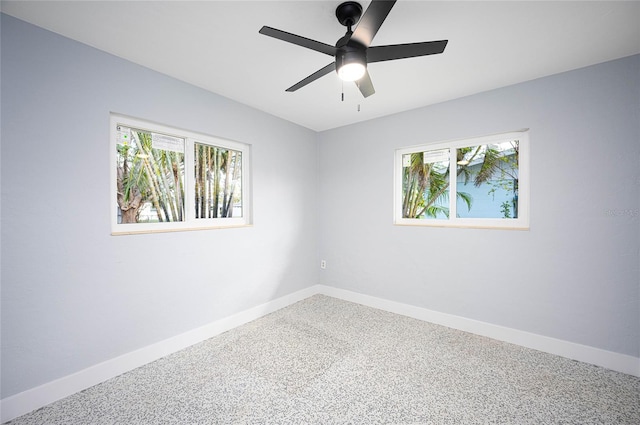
{"x":323,"y":264}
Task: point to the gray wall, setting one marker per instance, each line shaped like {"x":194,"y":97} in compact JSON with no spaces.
{"x":72,"y":294}
{"x":574,"y":275}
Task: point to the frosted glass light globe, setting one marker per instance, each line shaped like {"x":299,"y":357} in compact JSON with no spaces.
{"x":351,"y":71}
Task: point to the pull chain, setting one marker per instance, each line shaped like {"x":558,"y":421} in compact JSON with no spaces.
{"x":342,"y":95}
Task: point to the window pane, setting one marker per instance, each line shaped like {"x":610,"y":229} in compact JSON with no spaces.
{"x":487,"y":181}
{"x":218,"y":177}
{"x":150,"y":176}
{"x":425,"y":184}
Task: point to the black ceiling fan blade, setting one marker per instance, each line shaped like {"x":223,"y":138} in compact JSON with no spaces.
{"x":299,"y":40}
{"x":311,"y":78}
{"x":366,"y":85}
{"x":401,"y":51}
{"x":371,"y":21}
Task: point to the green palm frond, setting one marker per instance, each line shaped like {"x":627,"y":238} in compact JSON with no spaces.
{"x":433,"y":210}
{"x":490,"y":165}
{"x":467,"y":198}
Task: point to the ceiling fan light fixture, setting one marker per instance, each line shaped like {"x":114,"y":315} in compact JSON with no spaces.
{"x":351,"y":63}
{"x":351,"y":71}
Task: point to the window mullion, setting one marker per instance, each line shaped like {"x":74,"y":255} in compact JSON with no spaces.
{"x":189,"y":178}
{"x":453,"y":183}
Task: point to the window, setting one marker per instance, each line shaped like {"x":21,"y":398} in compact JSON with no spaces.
{"x":480,"y":182}
{"x":165,"y":179}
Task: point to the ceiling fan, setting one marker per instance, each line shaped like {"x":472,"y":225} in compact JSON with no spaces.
{"x":353,"y":51}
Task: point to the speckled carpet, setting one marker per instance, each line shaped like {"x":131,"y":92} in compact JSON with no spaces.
{"x":327,"y":361}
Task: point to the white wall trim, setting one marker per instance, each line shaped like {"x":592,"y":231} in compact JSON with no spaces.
{"x":35,"y":398}
{"x":607,"y":359}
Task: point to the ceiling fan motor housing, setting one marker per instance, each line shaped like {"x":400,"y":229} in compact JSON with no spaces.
{"x":351,"y":53}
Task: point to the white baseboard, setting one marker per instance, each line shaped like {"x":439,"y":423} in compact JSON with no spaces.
{"x":607,"y":359}
{"x":35,"y":398}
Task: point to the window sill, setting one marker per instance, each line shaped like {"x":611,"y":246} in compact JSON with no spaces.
{"x":492,"y":225}
{"x":185,"y":229}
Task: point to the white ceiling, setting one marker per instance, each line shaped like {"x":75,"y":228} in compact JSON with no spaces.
{"x":216,"y":45}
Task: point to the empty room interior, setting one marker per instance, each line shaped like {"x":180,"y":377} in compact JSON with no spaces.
{"x":198,"y":196}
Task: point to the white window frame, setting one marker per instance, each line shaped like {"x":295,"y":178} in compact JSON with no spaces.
{"x":190,"y":222}
{"x":519,"y":223}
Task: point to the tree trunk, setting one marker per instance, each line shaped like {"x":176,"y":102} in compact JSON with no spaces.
{"x":129,"y":208}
